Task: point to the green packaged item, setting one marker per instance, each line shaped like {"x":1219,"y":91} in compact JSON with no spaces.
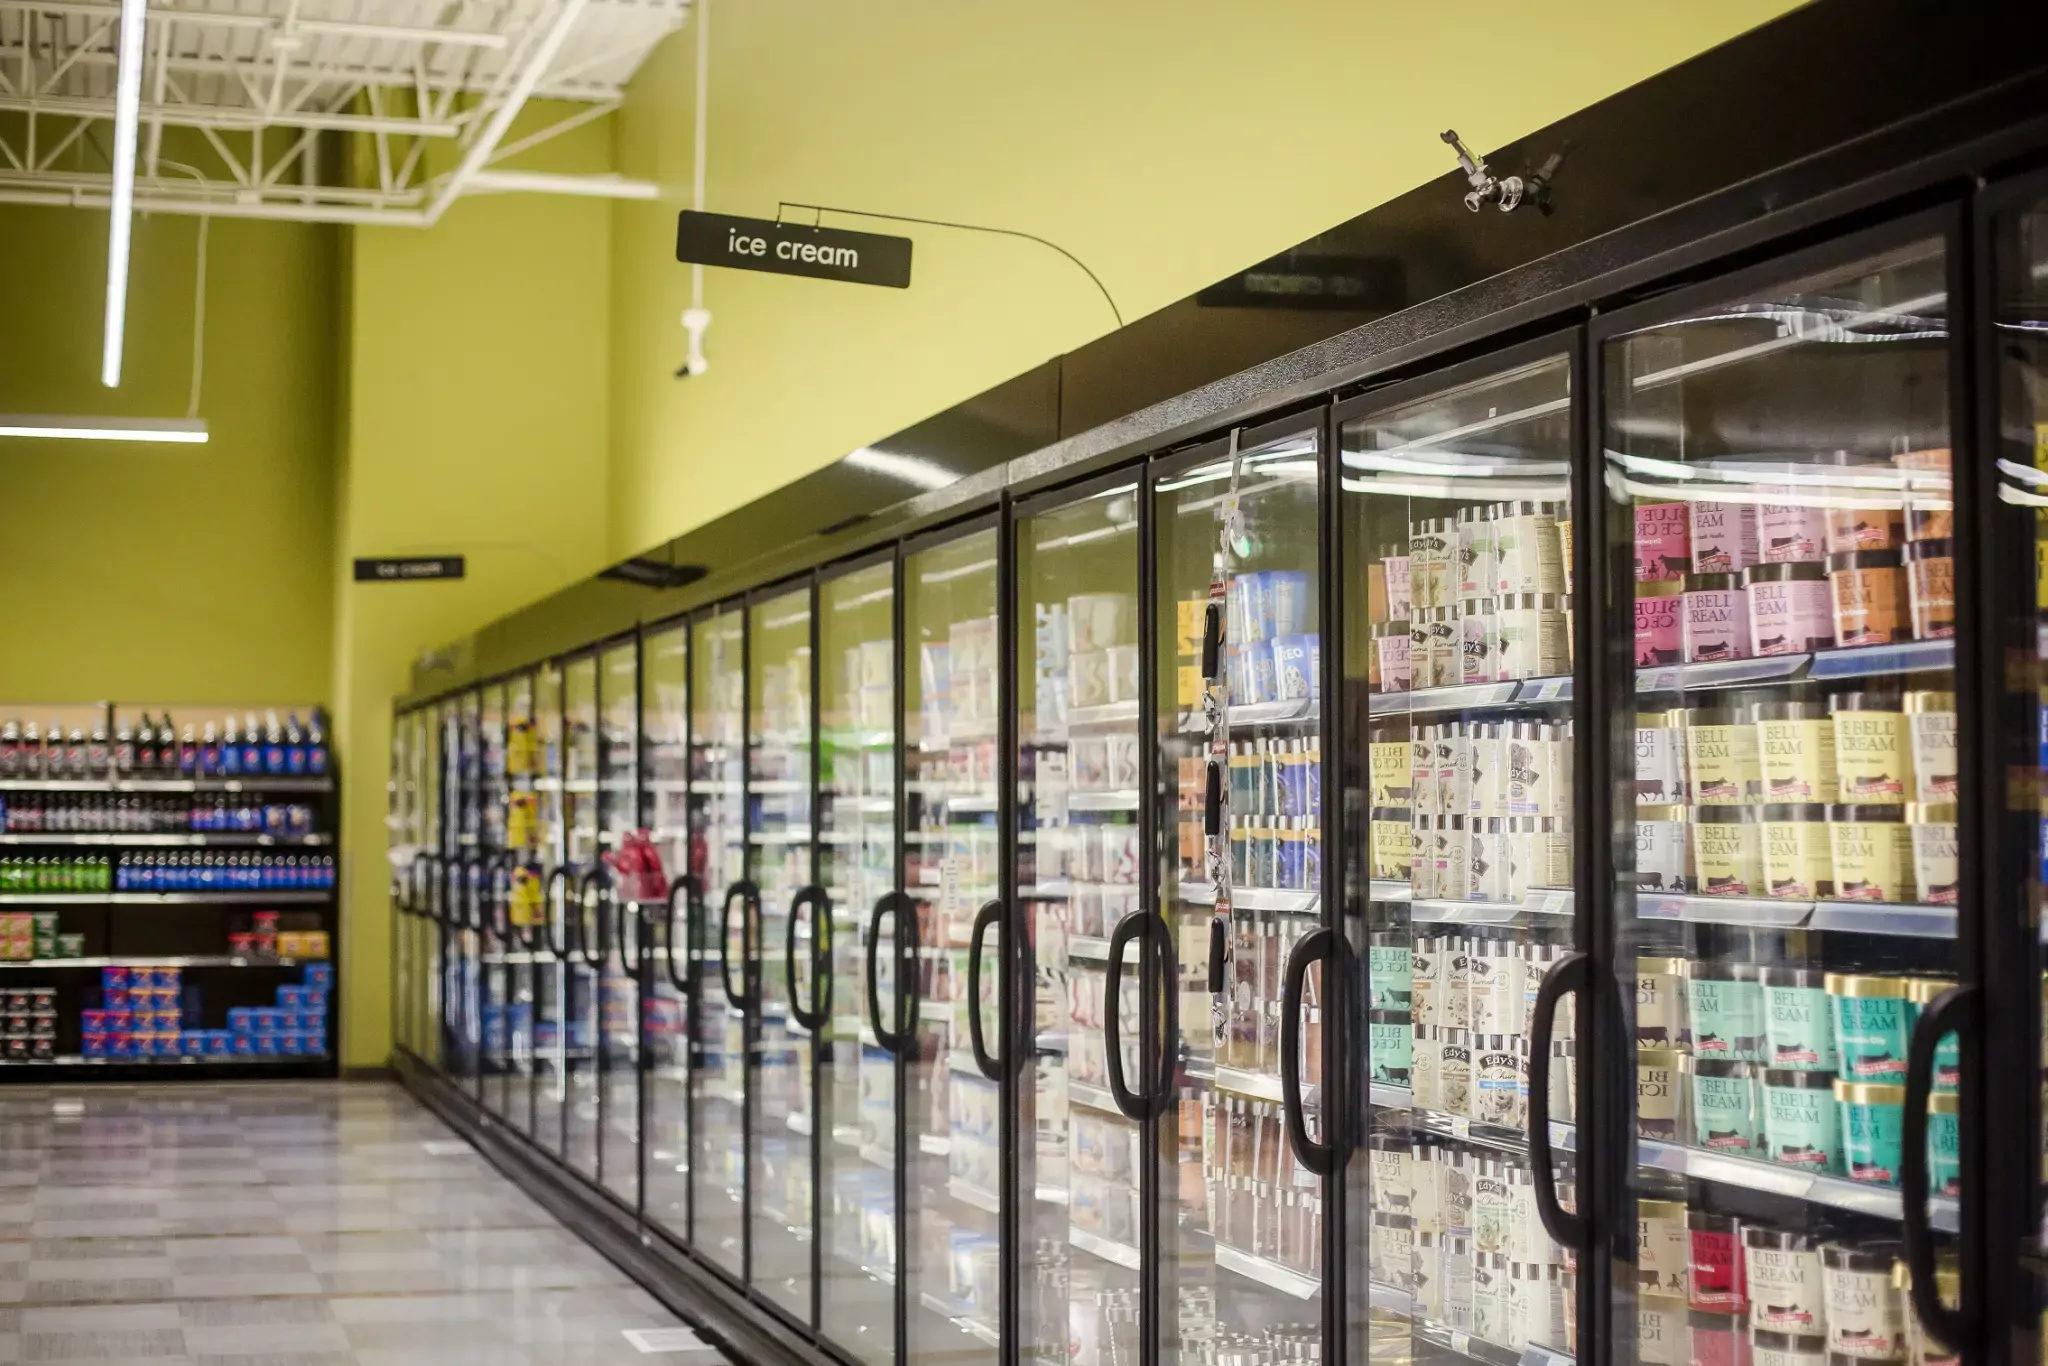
{"x":1724,"y":1107}
{"x":1390,"y":1041}
{"x":1948,"y":1051}
{"x":1873,"y":1120}
{"x":1725,"y":1003}
{"x":1945,"y":1144}
{"x":1390,"y":967}
{"x":1797,"y":1027}
{"x":1801,"y":1128}
{"x":1873,"y":1020}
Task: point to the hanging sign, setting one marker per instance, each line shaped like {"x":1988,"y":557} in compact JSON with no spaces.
{"x":859,"y":258}
{"x":403,"y":568}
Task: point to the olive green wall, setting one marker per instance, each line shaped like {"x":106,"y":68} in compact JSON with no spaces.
{"x":1166,"y":143}
{"x":188,"y":573}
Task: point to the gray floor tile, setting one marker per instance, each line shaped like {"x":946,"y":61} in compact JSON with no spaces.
{"x":250,"y":1339}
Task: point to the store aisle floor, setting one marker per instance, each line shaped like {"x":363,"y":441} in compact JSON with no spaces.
{"x":286,"y":1224}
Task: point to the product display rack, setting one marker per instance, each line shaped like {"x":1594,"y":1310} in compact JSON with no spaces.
{"x":1577,"y":915}
{"x":83,"y":837}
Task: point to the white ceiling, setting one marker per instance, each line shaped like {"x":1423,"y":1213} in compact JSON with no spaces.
{"x":259,"y":80}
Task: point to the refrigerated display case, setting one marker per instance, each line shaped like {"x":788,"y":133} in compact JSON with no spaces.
{"x":1236,"y":645}
{"x":621,"y":927}
{"x":1777,"y":462}
{"x":952,"y":1182}
{"x":857,"y":811}
{"x":1074,"y":622}
{"x":1458,"y":550}
{"x":672,"y":927}
{"x":1521,"y":846}
{"x":718,"y":836}
{"x":779,"y":787}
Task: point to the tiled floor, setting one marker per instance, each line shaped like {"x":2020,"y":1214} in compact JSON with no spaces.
{"x":286,"y":1224}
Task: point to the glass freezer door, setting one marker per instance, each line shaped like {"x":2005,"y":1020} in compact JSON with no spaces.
{"x":441,"y":898}
{"x":1777,"y":462}
{"x":524,"y":851}
{"x":718,"y":834}
{"x":409,"y":871}
{"x":953,"y":1156}
{"x":1078,"y":843}
{"x":1457,"y":557}
{"x":465,"y":968}
{"x":585,"y":906}
{"x":494,"y":948}
{"x":779,"y":863}
{"x":618,"y":971}
{"x":1240,"y":1218}
{"x":856,"y":1114}
{"x":664,"y":787}
{"x":550,"y":966}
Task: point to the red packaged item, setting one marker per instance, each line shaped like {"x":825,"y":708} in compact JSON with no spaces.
{"x":637,"y":874}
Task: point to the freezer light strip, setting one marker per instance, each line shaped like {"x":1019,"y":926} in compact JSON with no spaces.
{"x":178,"y":431}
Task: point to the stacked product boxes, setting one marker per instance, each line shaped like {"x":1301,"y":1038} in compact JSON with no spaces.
{"x":144,"y":1012}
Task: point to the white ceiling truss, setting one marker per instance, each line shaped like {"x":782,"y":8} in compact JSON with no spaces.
{"x":255,"y":108}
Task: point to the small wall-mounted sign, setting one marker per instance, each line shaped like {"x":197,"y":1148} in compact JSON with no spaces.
{"x":405,"y":568}
{"x":860,"y":258}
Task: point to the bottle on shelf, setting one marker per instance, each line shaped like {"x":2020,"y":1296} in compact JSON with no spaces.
{"x":252,"y":745}
{"x":230,"y":748}
{"x":99,"y":758}
{"x":188,"y":752}
{"x":145,"y":745}
{"x":53,"y":750}
{"x":294,"y":746}
{"x":273,"y":744}
{"x":209,"y":751}
{"x":316,"y":744}
{"x":124,"y":751}
{"x":167,"y":746}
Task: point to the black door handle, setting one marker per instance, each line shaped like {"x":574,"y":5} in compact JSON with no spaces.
{"x":898,"y":904}
{"x":579,"y":944}
{"x":1571,"y":973}
{"x":499,"y":921}
{"x":557,"y":948}
{"x":1319,"y":944}
{"x":810,"y":1016}
{"x":473,"y":892}
{"x":684,"y":889}
{"x":990,"y":1065}
{"x":749,"y":897}
{"x":1959,"y":1009}
{"x":1133,"y":1104}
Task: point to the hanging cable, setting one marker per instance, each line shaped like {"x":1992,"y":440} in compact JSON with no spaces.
{"x":697,"y":318}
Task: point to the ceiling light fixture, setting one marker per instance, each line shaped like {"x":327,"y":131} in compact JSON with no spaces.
{"x":127,"y":115}
{"x":181,"y":431}
{"x":911,"y":469}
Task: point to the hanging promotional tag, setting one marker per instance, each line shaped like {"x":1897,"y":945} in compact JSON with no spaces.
{"x":1216,"y":654}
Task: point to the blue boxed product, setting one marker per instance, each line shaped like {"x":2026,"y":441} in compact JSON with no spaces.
{"x":1297,"y":660}
{"x":95,"y":1046}
{"x":219,"y":1043}
{"x":263,"y":1019}
{"x":266,"y":1045}
{"x":315,"y":1002}
{"x":121,"y":1045}
{"x":291,"y":1043}
{"x":192,"y":1043}
{"x":242,"y":1045}
{"x":316,"y":1043}
{"x":291,"y":998}
{"x":238,"y":1020}
{"x":319,"y":975}
{"x":114,"y":998}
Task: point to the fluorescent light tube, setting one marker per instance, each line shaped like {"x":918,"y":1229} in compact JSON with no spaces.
{"x":127,"y":115}
{"x":169,"y":429}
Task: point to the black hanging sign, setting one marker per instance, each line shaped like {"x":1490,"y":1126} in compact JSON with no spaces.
{"x":404,"y":568}
{"x":860,"y":258}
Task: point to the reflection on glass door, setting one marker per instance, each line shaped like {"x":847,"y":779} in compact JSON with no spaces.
{"x":442,"y":901}
{"x":856,"y":1112}
{"x":779,"y":848}
{"x":953,"y":1162}
{"x":1779,"y":461}
{"x":1076,"y":625}
{"x":409,"y":847}
{"x":718,"y":834}
{"x":618,"y":971}
{"x":524,"y":852}
{"x":585,"y":939}
{"x":664,"y":787}
{"x":550,"y":965}
{"x":1240,"y":1217}
{"x":1458,"y":629}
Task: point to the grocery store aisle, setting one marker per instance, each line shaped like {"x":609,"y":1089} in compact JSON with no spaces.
{"x":287,"y":1224}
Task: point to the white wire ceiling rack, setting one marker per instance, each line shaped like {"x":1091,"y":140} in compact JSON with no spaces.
{"x":262,"y":102}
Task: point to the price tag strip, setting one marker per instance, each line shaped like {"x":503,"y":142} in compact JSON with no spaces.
{"x":1216,"y":711}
